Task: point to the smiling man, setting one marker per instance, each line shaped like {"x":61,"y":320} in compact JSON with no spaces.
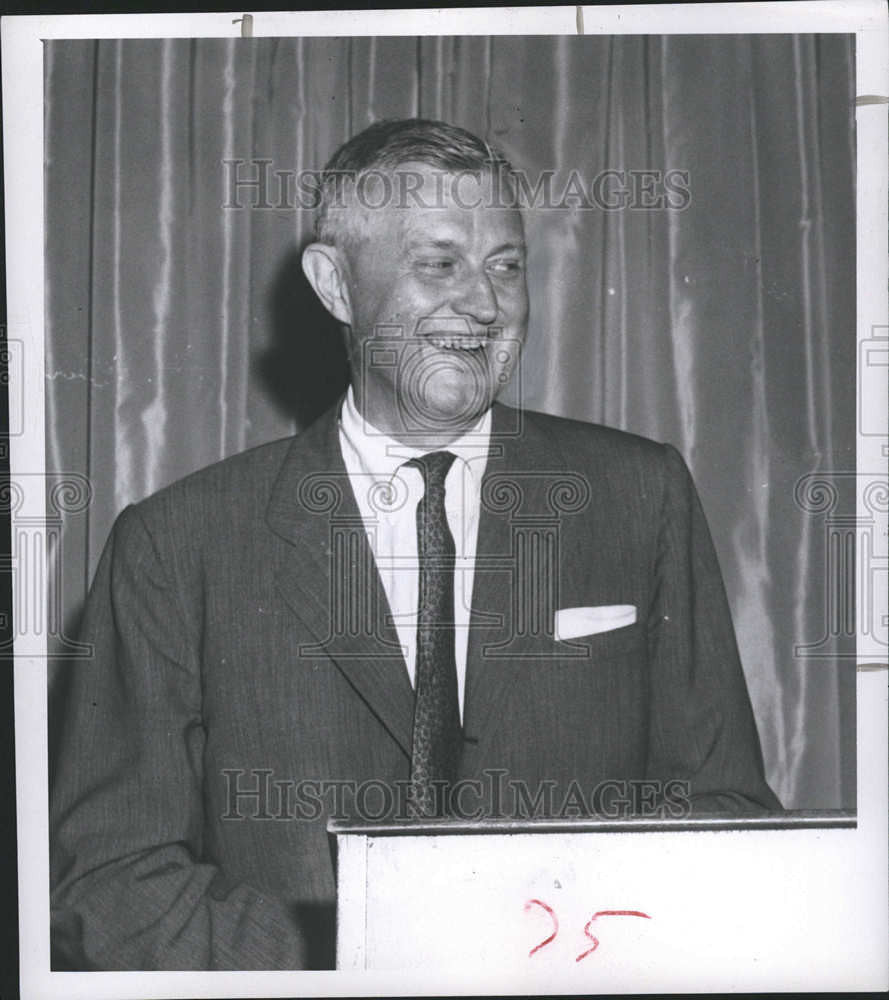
{"x":441,"y":266}
{"x":427,"y":604}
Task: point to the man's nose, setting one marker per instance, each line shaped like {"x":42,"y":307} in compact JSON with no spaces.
{"x":477,"y":298}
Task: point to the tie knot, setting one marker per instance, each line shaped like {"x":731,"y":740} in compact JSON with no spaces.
{"x":434,"y":468}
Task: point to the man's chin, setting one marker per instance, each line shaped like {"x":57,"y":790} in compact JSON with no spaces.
{"x":448,"y":407}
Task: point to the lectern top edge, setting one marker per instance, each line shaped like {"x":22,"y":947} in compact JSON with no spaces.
{"x":791,"y":820}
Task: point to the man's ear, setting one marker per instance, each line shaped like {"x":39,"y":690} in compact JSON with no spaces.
{"x":325,"y":269}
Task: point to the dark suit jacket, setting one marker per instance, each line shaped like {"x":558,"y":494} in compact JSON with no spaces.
{"x":240,"y":637}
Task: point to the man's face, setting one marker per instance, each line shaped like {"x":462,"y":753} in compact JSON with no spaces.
{"x":439,"y":304}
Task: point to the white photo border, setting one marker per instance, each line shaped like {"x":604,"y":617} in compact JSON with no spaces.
{"x":866,"y":848}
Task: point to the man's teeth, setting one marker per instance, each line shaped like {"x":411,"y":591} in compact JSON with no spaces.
{"x":460,"y":343}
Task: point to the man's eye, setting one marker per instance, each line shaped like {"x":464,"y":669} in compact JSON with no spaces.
{"x":508,"y":265}
{"x":437,"y":265}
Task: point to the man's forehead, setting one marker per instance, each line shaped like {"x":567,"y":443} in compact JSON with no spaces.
{"x":454,"y":227}
{"x":446,"y":205}
{"x":419,"y":203}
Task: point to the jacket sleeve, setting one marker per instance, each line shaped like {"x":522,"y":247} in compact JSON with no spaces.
{"x":702,"y":728}
{"x":129,"y":887}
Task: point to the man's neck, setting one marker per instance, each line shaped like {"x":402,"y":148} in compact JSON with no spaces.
{"x":430,"y":438}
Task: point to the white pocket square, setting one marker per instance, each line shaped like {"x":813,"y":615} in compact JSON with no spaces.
{"x":572,"y":623}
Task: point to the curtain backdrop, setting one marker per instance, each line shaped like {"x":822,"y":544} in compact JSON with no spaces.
{"x":180,"y":330}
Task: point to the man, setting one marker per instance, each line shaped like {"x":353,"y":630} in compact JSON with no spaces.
{"x":424,"y":589}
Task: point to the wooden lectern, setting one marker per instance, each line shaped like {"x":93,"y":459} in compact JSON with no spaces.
{"x":641,"y":904}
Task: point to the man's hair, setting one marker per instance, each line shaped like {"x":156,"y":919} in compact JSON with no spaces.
{"x":381,"y":148}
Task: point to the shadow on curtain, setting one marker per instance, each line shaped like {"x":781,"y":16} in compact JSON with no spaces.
{"x":180,"y":328}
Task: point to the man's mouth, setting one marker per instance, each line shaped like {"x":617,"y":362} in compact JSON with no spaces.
{"x":459,"y":343}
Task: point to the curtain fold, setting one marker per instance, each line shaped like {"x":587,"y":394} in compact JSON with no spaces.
{"x":180,"y":329}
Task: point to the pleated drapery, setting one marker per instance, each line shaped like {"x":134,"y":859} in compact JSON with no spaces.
{"x":180,"y":329}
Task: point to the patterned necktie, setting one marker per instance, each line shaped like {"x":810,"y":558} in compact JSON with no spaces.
{"x":437,"y":738}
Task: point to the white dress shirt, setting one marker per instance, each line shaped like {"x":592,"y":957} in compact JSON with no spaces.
{"x":387,"y":494}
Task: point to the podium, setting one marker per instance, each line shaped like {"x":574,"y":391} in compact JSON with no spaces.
{"x":630,"y":904}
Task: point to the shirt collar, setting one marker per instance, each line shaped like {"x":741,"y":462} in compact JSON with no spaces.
{"x":380,"y":456}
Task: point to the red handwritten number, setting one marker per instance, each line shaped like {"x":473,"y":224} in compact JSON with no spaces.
{"x":606,"y":913}
{"x":586,"y":930}
{"x":553,"y":917}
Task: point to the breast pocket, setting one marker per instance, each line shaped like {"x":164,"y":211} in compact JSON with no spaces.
{"x":602,"y":645}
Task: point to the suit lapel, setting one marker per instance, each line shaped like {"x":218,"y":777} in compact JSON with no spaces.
{"x":328,"y":577}
{"x":522,"y":552}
